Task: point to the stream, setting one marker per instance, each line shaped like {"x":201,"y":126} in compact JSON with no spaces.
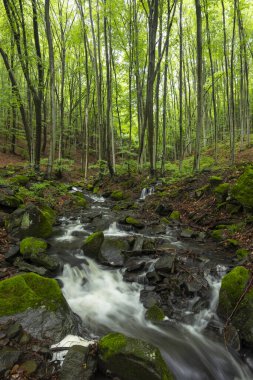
{"x":106,"y":302}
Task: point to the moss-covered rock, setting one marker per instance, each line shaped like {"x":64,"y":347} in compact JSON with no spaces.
{"x":233,"y":286}
{"x":134,"y":222}
{"x":201,"y":191}
{"x":242,"y":253}
{"x":215,"y":180}
{"x":9,"y":201}
{"x":130,"y":359}
{"x":19,"y":179}
{"x":30,"y":290}
{"x":89,"y":187}
{"x":31,"y":245}
{"x":242,"y":191}
{"x":175,"y":215}
{"x":117,"y":195}
{"x":92,"y":244}
{"x":155,"y":313}
{"x":232,"y":242}
{"x":31,"y":221}
{"x":79,"y":200}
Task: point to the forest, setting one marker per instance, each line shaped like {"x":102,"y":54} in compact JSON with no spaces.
{"x":126,"y":190}
{"x":126,"y":84}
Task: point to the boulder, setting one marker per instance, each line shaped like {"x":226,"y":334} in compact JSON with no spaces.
{"x":164,"y":210}
{"x":233,"y":286}
{"x":78,"y":364}
{"x":165,"y":264}
{"x":129,"y":358}
{"x":9,"y":201}
{"x":117,"y":195}
{"x":31,"y":221}
{"x":23,"y":266}
{"x":155,"y":314}
{"x":134,"y":222}
{"x":8,"y":357}
{"x":38,"y":305}
{"x":111,"y":252}
{"x":92,"y":244}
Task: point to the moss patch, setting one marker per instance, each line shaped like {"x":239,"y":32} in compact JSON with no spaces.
{"x":111,"y":344}
{"x":242,"y":191}
{"x":155,"y":313}
{"x":32,"y":246}
{"x":29,"y":290}
{"x":117,"y":195}
{"x":175,"y":215}
{"x":92,"y":244}
{"x":134,"y":222}
{"x":19,"y":180}
{"x":242,"y":253}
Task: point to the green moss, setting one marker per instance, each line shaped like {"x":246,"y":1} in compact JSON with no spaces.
{"x":48,"y":213}
{"x":117,"y":195}
{"x":94,"y":236}
{"x":95,"y":190}
{"x":222,"y":189}
{"x":165,"y":220}
{"x":80,"y":201}
{"x":242,"y":253}
{"x":92,"y":244}
{"x":175,"y":215}
{"x":32,"y":246}
{"x":202,"y":190}
{"x":215,"y":180}
{"x":112,"y":343}
{"x":130,"y":358}
{"x":242,"y":191}
{"x":89,"y":187}
{"x":30,"y":290}
{"x":9,"y":201}
{"x":155,"y":313}
{"x":133,"y":222}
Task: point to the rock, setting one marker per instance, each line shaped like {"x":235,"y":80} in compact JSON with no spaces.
{"x":163,"y":210}
{"x":242,"y":191}
{"x":231,"y":337}
{"x":149,"y":244}
{"x":221,"y":192}
{"x":165,"y":264}
{"x":133,"y":265}
{"x":78,"y":364}
{"x":130,"y":359}
{"x":9,"y":201}
{"x":187,"y":233}
{"x":31,"y":221}
{"x":117,"y":195}
{"x":215,"y":180}
{"x":29,"y":290}
{"x":26,"y":267}
{"x":12,"y":253}
{"x":150,"y":298}
{"x":138,"y":243}
{"x":242,"y":253}
{"x":3,"y":217}
{"x":201,"y":191}
{"x":154,"y":314}
{"x":8,"y":357}
{"x":92,"y":244}
{"x":194,"y":284}
{"x":232,"y":287}
{"x":111,"y":251}
{"x":14,"y":330}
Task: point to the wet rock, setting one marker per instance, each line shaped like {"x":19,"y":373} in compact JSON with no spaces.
{"x":134,"y":265}
{"x":153,"y":277}
{"x":130,"y":359}
{"x":8,"y":357}
{"x":187,"y":233}
{"x":3,"y":217}
{"x":165,"y":264}
{"x":12,"y":253}
{"x":92,"y":244}
{"x":150,"y":298}
{"x":233,"y":286}
{"x":138,"y":243}
{"x":194,"y":284}
{"x":26,"y":267}
{"x":78,"y":364}
{"x":8,"y":200}
{"x":14,"y":330}
{"x":232,"y":338}
{"x":155,"y":313}
{"x":164,"y":210}
{"x":111,"y":251}
{"x":134,"y":222}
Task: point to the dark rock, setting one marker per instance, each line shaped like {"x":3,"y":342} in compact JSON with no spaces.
{"x":164,"y":210}
{"x":187,"y":233}
{"x":12,"y":253}
{"x":231,"y":337}
{"x":29,"y":367}
{"x":111,"y":251}
{"x":8,"y":357}
{"x":134,"y":265}
{"x":138,"y":243}
{"x":150,"y":298}
{"x":78,"y":364}
{"x":165,"y":264}
{"x":14,"y":330}
{"x":26,"y":267}
{"x":194,"y":284}
{"x":92,"y":244}
{"x":153,"y":277}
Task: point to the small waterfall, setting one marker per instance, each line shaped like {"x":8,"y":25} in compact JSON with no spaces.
{"x":103,"y":300}
{"x":114,"y":230}
{"x":71,"y":231}
{"x":147,"y":191}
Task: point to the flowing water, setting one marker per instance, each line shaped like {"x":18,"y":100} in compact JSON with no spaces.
{"x":106,"y":303}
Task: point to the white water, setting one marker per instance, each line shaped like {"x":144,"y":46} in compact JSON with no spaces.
{"x":69,"y":232}
{"x":147,"y":191}
{"x":67,"y":342}
{"x":102,"y":299}
{"x":113,"y":230}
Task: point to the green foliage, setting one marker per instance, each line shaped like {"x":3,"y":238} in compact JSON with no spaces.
{"x":117,"y":195}
{"x":242,"y":253}
{"x":243,"y":189}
